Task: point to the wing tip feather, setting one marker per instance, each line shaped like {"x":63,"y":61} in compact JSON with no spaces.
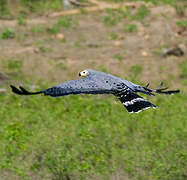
{"x":23,"y":91}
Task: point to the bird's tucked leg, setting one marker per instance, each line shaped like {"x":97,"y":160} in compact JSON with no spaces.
{"x":159,"y":90}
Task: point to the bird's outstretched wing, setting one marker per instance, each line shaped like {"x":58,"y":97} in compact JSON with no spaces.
{"x":78,"y":86}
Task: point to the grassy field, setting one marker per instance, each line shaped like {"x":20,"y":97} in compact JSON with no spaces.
{"x":90,"y":137}
{"x":93,"y":137}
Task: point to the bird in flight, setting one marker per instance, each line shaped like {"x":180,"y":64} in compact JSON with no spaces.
{"x":96,"y":82}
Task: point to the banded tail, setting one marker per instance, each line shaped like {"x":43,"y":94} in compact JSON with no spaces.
{"x":133,"y":102}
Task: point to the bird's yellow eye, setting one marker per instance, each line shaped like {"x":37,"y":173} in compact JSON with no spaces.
{"x":83,"y":73}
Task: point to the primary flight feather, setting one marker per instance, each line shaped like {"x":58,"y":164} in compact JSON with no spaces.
{"x":96,"y":82}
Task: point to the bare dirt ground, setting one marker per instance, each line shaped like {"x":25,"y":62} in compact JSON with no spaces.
{"x":88,"y":44}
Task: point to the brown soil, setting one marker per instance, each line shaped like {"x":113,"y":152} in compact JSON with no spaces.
{"x":88,"y":45}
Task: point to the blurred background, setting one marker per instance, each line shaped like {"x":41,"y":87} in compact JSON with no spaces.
{"x":46,"y":42}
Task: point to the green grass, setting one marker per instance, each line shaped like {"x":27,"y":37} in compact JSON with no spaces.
{"x":81,"y":137}
{"x":130,"y":28}
{"x":8,"y":33}
{"x":53,"y":30}
{"x":118,"y":56}
{"x":141,"y":13}
{"x":22,"y":19}
{"x":170,"y":2}
{"x":183,"y":72}
{"x":37,"y":29}
{"x":112,"y":18}
{"x":63,"y":22}
{"x":63,"y":40}
{"x":84,"y":11}
{"x":45,"y":49}
{"x":135,"y":71}
{"x":183,"y":68}
{"x":41,"y":6}
{"x":111,"y":21}
{"x":113,"y":36}
{"x":182,"y":23}
{"x":4,"y":8}
{"x":12,"y":65}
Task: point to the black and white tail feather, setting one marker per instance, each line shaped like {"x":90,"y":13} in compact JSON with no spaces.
{"x":128,"y":97}
{"x":135,"y":103}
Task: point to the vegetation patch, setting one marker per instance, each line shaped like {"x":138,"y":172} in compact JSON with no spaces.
{"x":182,"y":24}
{"x":118,"y":56}
{"x":135,"y":71}
{"x":130,"y":28}
{"x":79,"y":136}
{"x":8,"y":33}
{"x":37,"y":29}
{"x":12,"y":65}
{"x":183,"y":72}
{"x":141,"y":13}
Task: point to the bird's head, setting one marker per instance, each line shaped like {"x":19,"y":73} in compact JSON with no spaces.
{"x":83,"y":73}
{"x":90,"y":73}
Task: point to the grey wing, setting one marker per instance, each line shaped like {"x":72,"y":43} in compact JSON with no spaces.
{"x":78,"y":86}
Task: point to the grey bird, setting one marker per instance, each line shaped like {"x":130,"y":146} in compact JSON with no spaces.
{"x":96,"y":82}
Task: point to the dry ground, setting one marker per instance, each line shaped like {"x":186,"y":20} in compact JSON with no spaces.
{"x":89,"y":45}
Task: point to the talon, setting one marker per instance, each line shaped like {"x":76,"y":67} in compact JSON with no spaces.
{"x":164,"y":88}
{"x":161,"y":89}
{"x":161,"y":84}
{"x":147,"y":85}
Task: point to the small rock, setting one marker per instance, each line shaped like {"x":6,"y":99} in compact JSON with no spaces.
{"x":147,"y":37}
{"x":4,"y":77}
{"x":60,"y":36}
{"x":141,"y":31}
{"x":93,"y":45}
{"x":117,"y":43}
{"x":176,"y":35}
{"x":183,"y":47}
{"x":2,"y":90}
{"x":121,"y":38}
{"x":36,"y":50}
{"x":144,"y":53}
{"x":174,"y":51}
